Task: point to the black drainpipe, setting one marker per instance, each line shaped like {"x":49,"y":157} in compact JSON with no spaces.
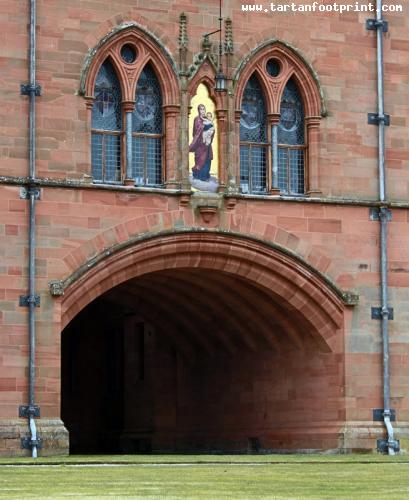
{"x":31,"y":193}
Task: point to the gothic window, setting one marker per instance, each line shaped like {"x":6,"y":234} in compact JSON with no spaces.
{"x":286,"y":171}
{"x":279,"y":106}
{"x":291,"y":147}
{"x":253,"y":140}
{"x":131,"y":92}
{"x":147,"y":130}
{"x":106,"y":132}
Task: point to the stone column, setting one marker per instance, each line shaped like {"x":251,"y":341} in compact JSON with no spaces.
{"x":221,"y":115}
{"x":89,"y":103}
{"x":273,"y":120}
{"x":236,"y":148}
{"x":170,"y":155}
{"x":184,"y":135}
{"x":128,"y":108}
{"x":311,"y":170}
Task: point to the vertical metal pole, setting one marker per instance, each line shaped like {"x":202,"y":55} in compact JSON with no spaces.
{"x":385,"y":332}
{"x":381,"y":130}
{"x":274,"y":146}
{"x":32,"y":95}
{"x":32,"y":228}
{"x":383,"y":218}
{"x":128,"y":135}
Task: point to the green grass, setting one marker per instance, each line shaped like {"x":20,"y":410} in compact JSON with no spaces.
{"x":207,"y":476}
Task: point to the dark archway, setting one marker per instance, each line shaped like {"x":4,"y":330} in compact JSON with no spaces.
{"x":198,"y":359}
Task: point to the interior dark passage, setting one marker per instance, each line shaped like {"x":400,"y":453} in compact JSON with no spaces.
{"x":194,"y":361}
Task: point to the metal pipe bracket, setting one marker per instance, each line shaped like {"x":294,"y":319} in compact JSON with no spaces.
{"x":28,"y":89}
{"x":27,"y":411}
{"x":375,"y":119}
{"x":27,"y":443}
{"x":374,"y":24}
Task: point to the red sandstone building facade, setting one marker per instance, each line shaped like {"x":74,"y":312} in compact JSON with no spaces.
{"x":176,"y":317}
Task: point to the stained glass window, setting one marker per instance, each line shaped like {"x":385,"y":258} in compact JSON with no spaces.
{"x":147,"y":116}
{"x":253,"y":150}
{"x":106,"y":126}
{"x":253,"y":113}
{"x":147,"y":130}
{"x":291,"y":126}
{"x":106,"y":112}
{"x":291,"y":149}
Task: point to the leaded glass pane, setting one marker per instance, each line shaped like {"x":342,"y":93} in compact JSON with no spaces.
{"x":147,"y":160}
{"x":283,"y":169}
{"x":96,"y":153}
{"x":291,"y":170}
{"x":112,"y":150}
{"x":253,"y":116}
{"x":244,"y":168}
{"x":106,"y":157}
{"x":106,"y":112}
{"x":258,"y":169}
{"x":291,"y":126}
{"x":147,"y":116}
{"x":296,"y":171}
{"x":252,"y":168}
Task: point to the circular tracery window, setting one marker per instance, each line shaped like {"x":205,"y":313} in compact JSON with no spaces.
{"x":273,"y":67}
{"x":128,"y":53}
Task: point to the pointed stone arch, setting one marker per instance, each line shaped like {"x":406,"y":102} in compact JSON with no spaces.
{"x":295,"y":65}
{"x":149,"y":49}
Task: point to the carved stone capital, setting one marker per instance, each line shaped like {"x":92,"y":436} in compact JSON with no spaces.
{"x":313,"y":121}
{"x":171,"y":109}
{"x":128,"y":106}
{"x":89,"y":101}
{"x":273,"y":118}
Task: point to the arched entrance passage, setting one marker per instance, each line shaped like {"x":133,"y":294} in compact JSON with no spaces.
{"x":202,"y":342}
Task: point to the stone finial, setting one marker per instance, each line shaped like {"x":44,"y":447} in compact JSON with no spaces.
{"x":56,"y":288}
{"x":228,"y":36}
{"x":183,"y":39}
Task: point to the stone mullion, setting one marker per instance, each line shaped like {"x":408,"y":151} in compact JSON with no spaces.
{"x":273,"y":120}
{"x":236,"y":147}
{"x":231,"y":166}
{"x":184,"y":135}
{"x":311,"y":169}
{"x":171,"y":157}
{"x":89,"y":103}
{"x":221,"y":115}
{"x":128,"y":108}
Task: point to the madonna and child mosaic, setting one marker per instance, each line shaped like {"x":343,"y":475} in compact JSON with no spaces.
{"x":203,"y":153}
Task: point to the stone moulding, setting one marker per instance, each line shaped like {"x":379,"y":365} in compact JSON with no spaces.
{"x":57,"y":288}
{"x":93,"y":52}
{"x":249,"y":58}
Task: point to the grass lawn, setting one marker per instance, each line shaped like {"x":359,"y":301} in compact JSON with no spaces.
{"x":206,"y":476}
